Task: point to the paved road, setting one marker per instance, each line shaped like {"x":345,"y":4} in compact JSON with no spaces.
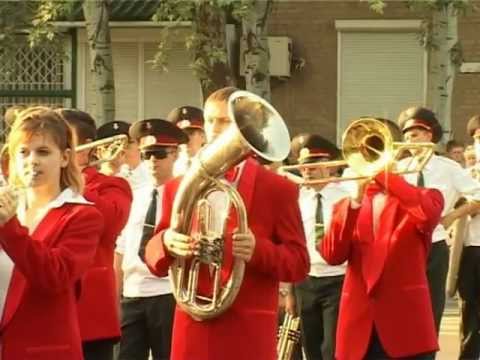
{"x":449,"y":333}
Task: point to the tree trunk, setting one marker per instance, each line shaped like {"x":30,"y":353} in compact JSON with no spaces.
{"x":443,"y":64}
{"x":255,"y":53}
{"x":210,"y":27}
{"x":97,"y":14}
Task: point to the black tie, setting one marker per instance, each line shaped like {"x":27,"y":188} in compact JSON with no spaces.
{"x":149,"y":224}
{"x":420,"y":180}
{"x":319,"y":228}
{"x":319,"y":212}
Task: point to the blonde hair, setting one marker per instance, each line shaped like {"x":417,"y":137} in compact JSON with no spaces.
{"x":45,"y":121}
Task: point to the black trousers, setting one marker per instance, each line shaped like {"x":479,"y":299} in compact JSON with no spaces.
{"x":98,"y":349}
{"x":318,"y":300}
{"x":376,"y":352}
{"x":437,"y":269}
{"x":147,"y":326}
{"x":469,"y":292}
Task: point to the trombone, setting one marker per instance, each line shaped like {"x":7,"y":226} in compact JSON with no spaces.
{"x":105,"y":149}
{"x":369,"y":145}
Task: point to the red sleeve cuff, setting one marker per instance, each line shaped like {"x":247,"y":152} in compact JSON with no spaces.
{"x":157,"y":258}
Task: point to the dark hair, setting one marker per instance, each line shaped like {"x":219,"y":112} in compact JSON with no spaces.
{"x":82,"y":122}
{"x":453,"y":144}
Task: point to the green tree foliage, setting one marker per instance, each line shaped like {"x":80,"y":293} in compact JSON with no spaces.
{"x":207,"y":39}
{"x":34,"y":20}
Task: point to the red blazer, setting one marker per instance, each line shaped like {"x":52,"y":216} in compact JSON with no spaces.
{"x":40,"y":318}
{"x":280,"y":255}
{"x":385,"y":284}
{"x":98,"y":303}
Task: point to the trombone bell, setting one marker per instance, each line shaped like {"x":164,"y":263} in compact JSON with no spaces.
{"x":369,"y":146}
{"x":105,"y":149}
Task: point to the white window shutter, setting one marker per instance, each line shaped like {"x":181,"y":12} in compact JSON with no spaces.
{"x":167,"y":90}
{"x":380,"y":74}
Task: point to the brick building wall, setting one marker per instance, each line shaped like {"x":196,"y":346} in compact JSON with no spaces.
{"x":466,"y":95}
{"x":308,"y":100}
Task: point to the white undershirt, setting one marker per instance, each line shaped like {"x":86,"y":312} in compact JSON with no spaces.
{"x":138,"y":281}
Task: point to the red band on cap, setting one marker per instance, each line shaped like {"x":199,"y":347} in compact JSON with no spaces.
{"x":411,"y":123}
{"x":190,"y":123}
{"x":313,"y":152}
{"x":162,"y":140}
{"x":318,"y":154}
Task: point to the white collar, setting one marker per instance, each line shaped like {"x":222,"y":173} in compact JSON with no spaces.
{"x":66,"y":196}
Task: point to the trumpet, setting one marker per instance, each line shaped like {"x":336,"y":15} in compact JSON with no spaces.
{"x":369,"y":146}
{"x":288,"y":337}
{"x":105,"y":149}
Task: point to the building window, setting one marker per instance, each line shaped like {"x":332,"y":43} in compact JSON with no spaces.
{"x":140,"y":91}
{"x":381,"y":69}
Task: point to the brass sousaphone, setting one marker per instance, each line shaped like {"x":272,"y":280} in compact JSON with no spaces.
{"x":256,"y":128}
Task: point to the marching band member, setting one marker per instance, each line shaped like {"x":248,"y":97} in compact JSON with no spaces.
{"x":47,"y":242}
{"x":109,"y":129}
{"x":128,"y":164}
{"x":98,"y":303}
{"x":190,"y":120}
{"x":454,"y":150}
{"x":469,"y":272}
{"x":274,"y":250}
{"x":147,"y":303}
{"x":318,"y":296}
{"x":385,"y":235}
{"x":420,"y":125}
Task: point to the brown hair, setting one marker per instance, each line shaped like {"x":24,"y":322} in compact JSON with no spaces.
{"x":221,"y":94}
{"x":43,"y":120}
{"x":11,"y":114}
{"x":83,"y":124}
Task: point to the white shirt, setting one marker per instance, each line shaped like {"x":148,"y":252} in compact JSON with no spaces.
{"x":451,"y":180}
{"x":138,"y":177}
{"x":181,"y":164}
{"x":331,"y":194}
{"x":138,"y":281}
{"x":6,"y":264}
{"x":472,"y":235}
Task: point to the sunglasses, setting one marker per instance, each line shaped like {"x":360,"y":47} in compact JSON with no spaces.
{"x":158,"y":154}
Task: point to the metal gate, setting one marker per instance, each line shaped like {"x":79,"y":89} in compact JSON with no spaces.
{"x":40,"y":76}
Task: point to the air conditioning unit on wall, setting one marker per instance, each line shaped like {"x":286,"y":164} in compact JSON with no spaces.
{"x":280,"y":48}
